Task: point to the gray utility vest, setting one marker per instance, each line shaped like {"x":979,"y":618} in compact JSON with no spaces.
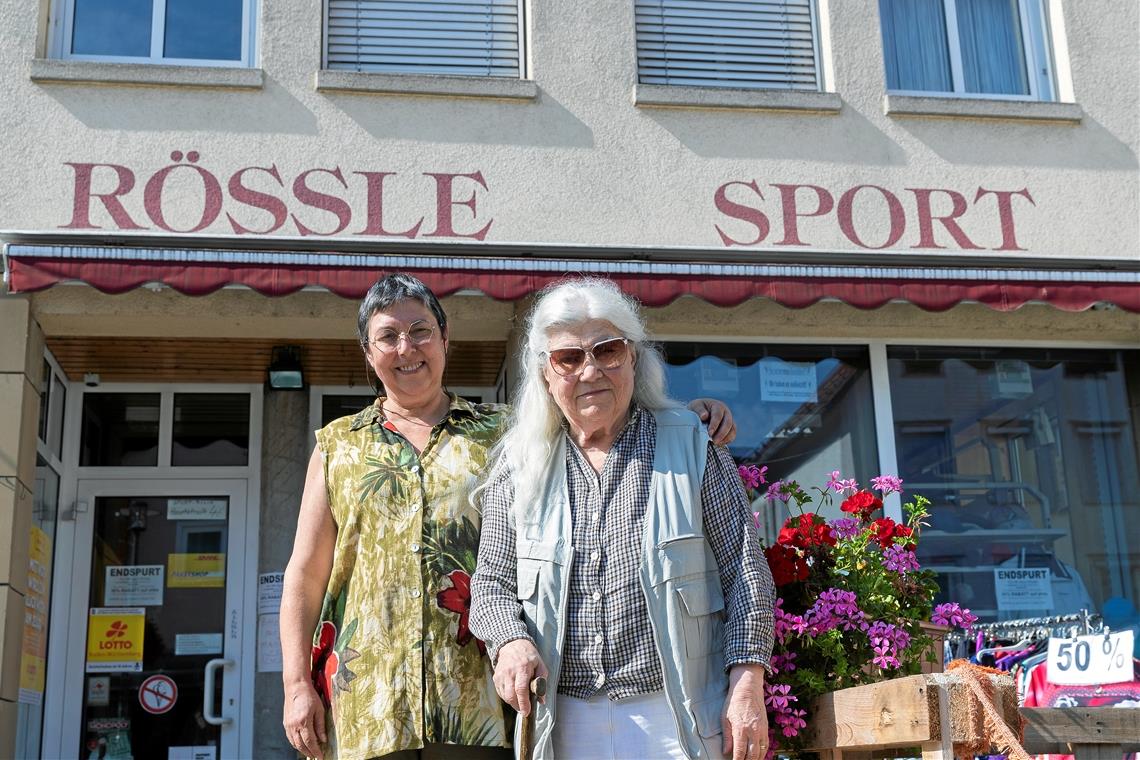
{"x":678,"y":575}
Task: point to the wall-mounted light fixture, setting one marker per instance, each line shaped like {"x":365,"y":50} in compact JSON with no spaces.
{"x":285,"y":371}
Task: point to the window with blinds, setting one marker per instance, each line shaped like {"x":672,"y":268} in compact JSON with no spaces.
{"x":728,"y":43}
{"x":464,"y":37}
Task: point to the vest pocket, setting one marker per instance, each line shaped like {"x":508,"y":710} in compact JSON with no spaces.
{"x":706,"y":714}
{"x":527,"y":580}
{"x":536,"y":573}
{"x":702,"y":604}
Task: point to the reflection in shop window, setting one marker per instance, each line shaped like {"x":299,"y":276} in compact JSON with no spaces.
{"x":802,"y":411}
{"x":119,"y":430}
{"x":1030,"y":459}
{"x":210,"y":429}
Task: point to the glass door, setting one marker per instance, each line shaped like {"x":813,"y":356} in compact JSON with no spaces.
{"x":156,"y":620}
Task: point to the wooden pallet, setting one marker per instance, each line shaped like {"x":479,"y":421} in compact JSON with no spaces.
{"x":1090,"y":733}
{"x":932,"y":712}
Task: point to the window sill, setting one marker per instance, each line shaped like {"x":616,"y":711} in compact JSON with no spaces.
{"x":52,"y":71}
{"x":790,"y":101}
{"x":981,"y":108}
{"x":369,"y":83}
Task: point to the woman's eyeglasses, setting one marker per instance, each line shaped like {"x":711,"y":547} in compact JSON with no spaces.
{"x":610,"y":353}
{"x":389,"y":340}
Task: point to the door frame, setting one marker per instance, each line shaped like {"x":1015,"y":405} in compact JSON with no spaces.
{"x":66,"y":650}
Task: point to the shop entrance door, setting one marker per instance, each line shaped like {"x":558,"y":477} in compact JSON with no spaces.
{"x":156,"y":620}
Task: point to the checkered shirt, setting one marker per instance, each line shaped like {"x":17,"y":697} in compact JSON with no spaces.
{"x":609,"y":641}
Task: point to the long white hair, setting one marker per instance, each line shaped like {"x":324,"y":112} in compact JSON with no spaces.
{"x":536,"y":421}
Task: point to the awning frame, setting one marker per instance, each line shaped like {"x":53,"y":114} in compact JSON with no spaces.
{"x":656,"y":282}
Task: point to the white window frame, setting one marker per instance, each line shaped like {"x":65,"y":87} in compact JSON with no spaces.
{"x":524,"y":38}
{"x":178,"y":478}
{"x":1037,"y":47}
{"x":821,"y":83}
{"x":62,"y":32}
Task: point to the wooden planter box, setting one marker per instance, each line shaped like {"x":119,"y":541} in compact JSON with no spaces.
{"x":932,"y":711}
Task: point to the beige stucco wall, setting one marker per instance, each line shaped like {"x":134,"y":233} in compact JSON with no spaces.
{"x":580,"y":163}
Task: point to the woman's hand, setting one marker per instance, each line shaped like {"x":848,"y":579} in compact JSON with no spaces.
{"x":744,"y":722}
{"x":717,"y":417}
{"x":305,"y":720}
{"x":519,"y":664}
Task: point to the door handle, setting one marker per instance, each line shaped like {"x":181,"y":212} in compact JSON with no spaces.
{"x":208,"y":692}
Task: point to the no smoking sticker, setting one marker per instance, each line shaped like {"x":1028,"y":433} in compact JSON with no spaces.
{"x":158,"y":694}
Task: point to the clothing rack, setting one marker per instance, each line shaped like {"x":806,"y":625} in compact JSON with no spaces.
{"x":1084,"y":621}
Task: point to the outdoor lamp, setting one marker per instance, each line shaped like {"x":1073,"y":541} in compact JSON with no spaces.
{"x":285,"y":372}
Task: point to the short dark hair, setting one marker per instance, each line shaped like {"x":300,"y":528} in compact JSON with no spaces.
{"x":390,"y":290}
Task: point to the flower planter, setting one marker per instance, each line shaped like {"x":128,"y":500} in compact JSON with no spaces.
{"x":932,"y":658}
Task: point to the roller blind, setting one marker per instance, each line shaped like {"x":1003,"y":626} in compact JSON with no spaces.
{"x":727,"y":43}
{"x":465,"y":37}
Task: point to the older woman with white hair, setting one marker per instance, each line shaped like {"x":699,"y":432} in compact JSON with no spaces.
{"x":617,"y":554}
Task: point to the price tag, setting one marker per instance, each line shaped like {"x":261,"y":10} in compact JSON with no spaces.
{"x":1091,"y":660}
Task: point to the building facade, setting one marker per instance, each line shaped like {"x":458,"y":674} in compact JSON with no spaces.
{"x":894,"y":236}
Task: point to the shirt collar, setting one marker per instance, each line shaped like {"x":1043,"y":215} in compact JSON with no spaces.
{"x":459,"y":407}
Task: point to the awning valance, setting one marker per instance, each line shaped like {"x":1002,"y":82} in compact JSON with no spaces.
{"x":655,"y":283}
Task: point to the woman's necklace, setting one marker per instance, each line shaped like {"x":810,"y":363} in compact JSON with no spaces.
{"x":436,"y":417}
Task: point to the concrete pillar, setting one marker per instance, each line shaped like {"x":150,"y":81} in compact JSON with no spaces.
{"x":21,"y":369}
{"x":284,"y":457}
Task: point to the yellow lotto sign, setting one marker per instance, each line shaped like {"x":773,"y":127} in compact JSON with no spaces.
{"x":196,"y":570}
{"x":115,"y":639}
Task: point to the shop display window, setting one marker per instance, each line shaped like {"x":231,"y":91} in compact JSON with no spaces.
{"x":1030,"y":459}
{"x":802,"y":411}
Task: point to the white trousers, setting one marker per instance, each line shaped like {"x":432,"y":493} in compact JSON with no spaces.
{"x":637,"y":728}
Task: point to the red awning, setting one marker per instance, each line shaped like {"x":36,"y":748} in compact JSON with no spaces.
{"x":198,"y":272}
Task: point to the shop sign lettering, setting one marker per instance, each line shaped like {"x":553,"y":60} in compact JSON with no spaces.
{"x":315,"y":201}
{"x":870,"y":216}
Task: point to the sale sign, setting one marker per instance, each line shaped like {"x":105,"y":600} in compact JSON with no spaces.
{"x":115,"y":639}
{"x":1090,"y":660}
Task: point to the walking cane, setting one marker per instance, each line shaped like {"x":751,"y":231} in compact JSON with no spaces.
{"x":538,"y":689}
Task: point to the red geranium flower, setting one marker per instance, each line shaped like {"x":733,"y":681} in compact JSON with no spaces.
{"x":806,"y":531}
{"x":905,"y":531}
{"x":883,"y":531}
{"x":787,"y":564}
{"x":862,"y":504}
{"x":458,"y":599}
{"x":326,"y":662}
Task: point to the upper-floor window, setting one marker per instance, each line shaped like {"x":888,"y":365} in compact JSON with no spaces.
{"x":979,"y":48}
{"x":459,"y":37}
{"x":744,"y":43}
{"x":178,"y":32}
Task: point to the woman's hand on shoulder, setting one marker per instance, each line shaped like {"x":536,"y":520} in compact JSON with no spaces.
{"x":717,"y":418}
{"x":743,"y":720}
{"x":519,"y":663}
{"x":305,"y":720}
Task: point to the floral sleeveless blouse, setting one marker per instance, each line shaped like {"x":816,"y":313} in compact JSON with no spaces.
{"x":393,"y":658}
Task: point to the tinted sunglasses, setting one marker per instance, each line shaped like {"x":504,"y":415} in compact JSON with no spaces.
{"x":610,"y":353}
